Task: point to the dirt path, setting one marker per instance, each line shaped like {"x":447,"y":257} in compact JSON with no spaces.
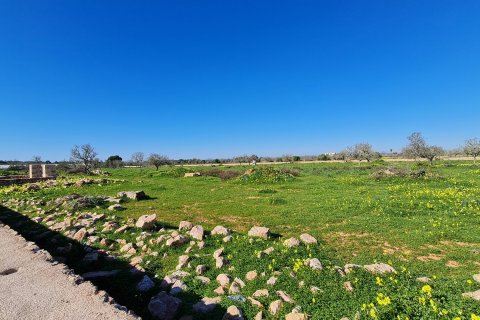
{"x":31,"y":287}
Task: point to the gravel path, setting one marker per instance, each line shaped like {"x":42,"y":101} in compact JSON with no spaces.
{"x":32,"y":288}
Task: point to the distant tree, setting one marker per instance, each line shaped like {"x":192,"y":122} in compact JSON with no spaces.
{"x":472,"y":148}
{"x":138,"y":158}
{"x":114,"y":161}
{"x":36,"y":159}
{"x":158,"y":160}
{"x":363,"y":151}
{"x":241,"y":159}
{"x":84,"y":154}
{"x":418,"y":148}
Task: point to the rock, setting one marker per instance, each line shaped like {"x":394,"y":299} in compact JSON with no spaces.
{"x":206,"y":304}
{"x":379,"y":268}
{"x":185,"y":225}
{"x":234,"y":288}
{"x":176,"y":241}
{"x":251,"y":275}
{"x":217,"y":253}
{"x":233,"y":313}
{"x":99,"y":274}
{"x":314,"y":264}
{"x":308,"y":239}
{"x":109,"y":226}
{"x":259,"y":316}
{"x":221,"y":231}
{"x":135,"y":261}
{"x":260,"y":293}
{"x":220,"y":262}
{"x":219,"y":291}
{"x":192,"y":174}
{"x":201,"y":269}
{"x":164,"y":307}
{"x":260,"y":232}
{"x":268,"y":250}
{"x":255,"y":302}
{"x":122,"y":229}
{"x":146,"y":222}
{"x":134,"y":195}
{"x":146,"y":284}
{"x":275,"y":306}
{"x":203,"y":279}
{"x":347,"y":285}
{"x":284,"y":296}
{"x":424,"y":279}
{"x":127,"y":247}
{"x":227,"y":239}
{"x":178,"y":287}
{"x":475,"y":295}
{"x":240,"y":282}
{"x":182,"y":261}
{"x":197,"y":232}
{"x":296,"y":316}
{"x":272,"y":281}
{"x":115,"y":207}
{"x":223,"y":279}
{"x":348,"y":267}
{"x":80,"y":234}
{"x":476,"y":277}
{"x":291,"y":242}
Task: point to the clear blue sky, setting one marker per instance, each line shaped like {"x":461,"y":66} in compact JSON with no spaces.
{"x":221,"y":78}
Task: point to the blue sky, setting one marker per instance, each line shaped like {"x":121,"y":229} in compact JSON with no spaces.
{"x":222,"y":78}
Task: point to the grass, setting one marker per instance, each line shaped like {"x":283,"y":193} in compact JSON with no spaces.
{"x":424,"y":226}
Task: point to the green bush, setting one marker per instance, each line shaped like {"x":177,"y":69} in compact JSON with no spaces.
{"x":266,"y":175}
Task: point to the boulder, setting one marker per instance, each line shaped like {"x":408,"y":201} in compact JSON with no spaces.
{"x":314,"y":264}
{"x":176,"y":241}
{"x":251,"y":275}
{"x":80,"y":234}
{"x":206,"y":304}
{"x":233,"y":313}
{"x":197,"y":232}
{"x":185,"y":225}
{"x":145,"y":284}
{"x":475,"y":295}
{"x":296,"y":316}
{"x":223,"y":279}
{"x":146,"y":222}
{"x":260,"y":232}
{"x":164,"y":307}
{"x":221,"y":231}
{"x":379,"y":268}
{"x":134,"y":195}
{"x":291,"y":242}
{"x":275,"y":306}
{"x":308,"y":239}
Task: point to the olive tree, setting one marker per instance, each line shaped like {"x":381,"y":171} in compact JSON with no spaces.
{"x":84,"y":154}
{"x":158,"y":160}
{"x":472,"y":148}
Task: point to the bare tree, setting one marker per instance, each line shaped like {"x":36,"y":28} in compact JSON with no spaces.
{"x":472,"y":148}
{"x":138,"y":158}
{"x":36,"y":159}
{"x":418,"y":148}
{"x":84,"y":154}
{"x":158,"y":160}
{"x":363,"y":151}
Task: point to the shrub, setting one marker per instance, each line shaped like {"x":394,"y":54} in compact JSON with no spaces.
{"x":222,"y":174}
{"x":266,"y":175}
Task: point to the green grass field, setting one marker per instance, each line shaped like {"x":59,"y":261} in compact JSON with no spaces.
{"x":423,"y":226}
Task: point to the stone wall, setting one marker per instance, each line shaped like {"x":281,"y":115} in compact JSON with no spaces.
{"x":8,"y":181}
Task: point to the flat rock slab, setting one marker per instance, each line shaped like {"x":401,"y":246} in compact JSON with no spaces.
{"x":34,"y":289}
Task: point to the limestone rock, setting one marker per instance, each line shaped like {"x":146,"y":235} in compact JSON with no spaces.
{"x":146,"y":222}
{"x":260,"y":232}
{"x":197,"y":232}
{"x":80,"y":234}
{"x":134,"y":195}
{"x":223,"y":279}
{"x":251,"y":275}
{"x":314,"y":264}
{"x":206,"y":304}
{"x":275,"y":306}
{"x":308,"y":239}
{"x":379,"y":268}
{"x":221,"y":231}
{"x":475,"y":295}
{"x":185,"y":225}
{"x":164,"y":307}
{"x":233,"y":313}
{"x":291,"y":242}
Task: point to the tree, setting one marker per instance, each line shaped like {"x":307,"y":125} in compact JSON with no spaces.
{"x":418,"y":148}
{"x":138,"y":158}
{"x":36,"y":159}
{"x":84,"y":154}
{"x":158,"y":160}
{"x":472,"y":148}
{"x":363,"y":151}
{"x":114,"y":161}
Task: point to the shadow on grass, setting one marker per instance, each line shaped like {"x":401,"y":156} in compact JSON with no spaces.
{"x":121,"y":287}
